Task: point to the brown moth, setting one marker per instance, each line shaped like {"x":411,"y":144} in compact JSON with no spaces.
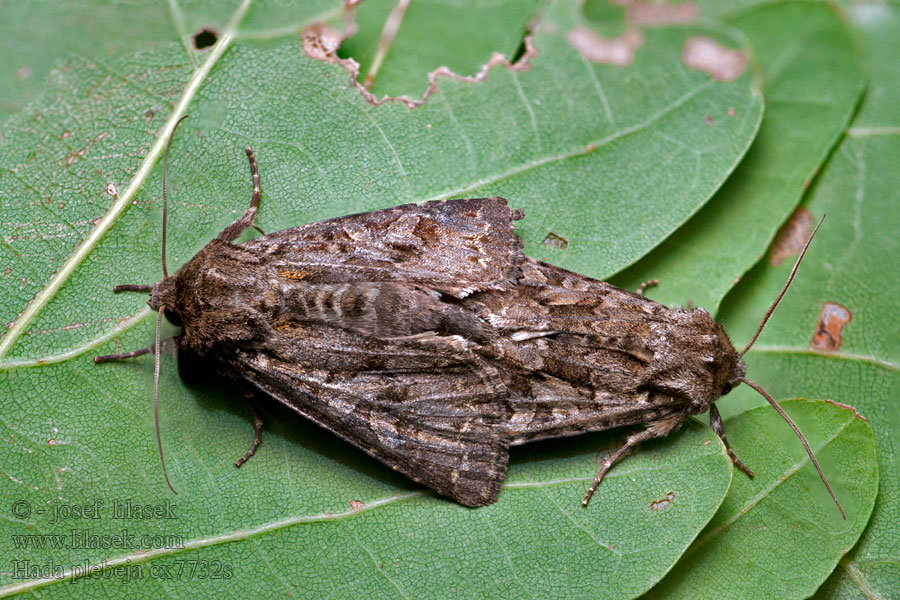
{"x":424,"y":336}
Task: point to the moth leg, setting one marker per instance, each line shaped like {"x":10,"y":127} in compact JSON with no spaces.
{"x":654,"y":429}
{"x":257,"y":434}
{"x":715,"y":421}
{"x":232,"y":231}
{"x":645,"y":285}
{"x":122,"y":355}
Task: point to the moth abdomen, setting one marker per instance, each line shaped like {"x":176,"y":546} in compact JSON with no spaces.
{"x":382,"y":309}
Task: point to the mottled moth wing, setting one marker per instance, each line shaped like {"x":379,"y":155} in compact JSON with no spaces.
{"x":422,"y":404}
{"x":579,"y":354}
{"x":454,"y":247}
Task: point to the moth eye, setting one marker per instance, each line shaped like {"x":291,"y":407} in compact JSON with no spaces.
{"x":727,"y":388}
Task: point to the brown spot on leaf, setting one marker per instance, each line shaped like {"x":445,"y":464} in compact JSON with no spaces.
{"x":112,"y":189}
{"x":641,"y":12}
{"x":51,"y":442}
{"x":23,"y":72}
{"x":663,"y":503}
{"x":708,"y":119}
{"x":617,"y":51}
{"x":556,"y":241}
{"x":321,"y":41}
{"x":731,"y":112}
{"x":357,"y":504}
{"x":75,"y":155}
{"x":707,"y":55}
{"x":827,"y":337}
{"x":79,"y":154}
{"x":792,"y":236}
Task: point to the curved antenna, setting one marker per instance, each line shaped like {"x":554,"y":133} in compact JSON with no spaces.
{"x":802,"y":439}
{"x":783,"y":290}
{"x":156,"y":397}
{"x":165,"y":199}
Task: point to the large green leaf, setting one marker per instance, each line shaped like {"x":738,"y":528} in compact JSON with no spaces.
{"x":588,"y":150}
{"x":785,"y":364}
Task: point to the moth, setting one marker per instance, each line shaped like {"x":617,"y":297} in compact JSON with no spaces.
{"x":425,"y":337}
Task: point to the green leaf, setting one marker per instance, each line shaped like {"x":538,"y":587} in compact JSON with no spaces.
{"x":779,"y":534}
{"x":812,"y":83}
{"x":608,"y":144}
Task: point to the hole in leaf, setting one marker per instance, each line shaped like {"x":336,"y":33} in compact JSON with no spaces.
{"x":555,"y":241}
{"x":204,"y":38}
{"x":520,"y":49}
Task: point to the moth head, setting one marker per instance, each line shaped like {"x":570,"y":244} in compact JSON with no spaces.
{"x":163,"y":296}
{"x":695,"y":363}
{"x":730,"y":367}
{"x":738,"y":377}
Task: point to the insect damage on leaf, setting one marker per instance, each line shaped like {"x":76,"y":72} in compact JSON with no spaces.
{"x":205,"y":38}
{"x":618,"y":51}
{"x":644,"y":12}
{"x":790,"y":238}
{"x":831,"y":321}
{"x":321,"y":42}
{"x":664,"y":502}
{"x":707,"y":55}
{"x":555,"y":241}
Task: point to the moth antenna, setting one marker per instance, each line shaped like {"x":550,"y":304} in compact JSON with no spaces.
{"x":783,"y":290}
{"x":802,"y":439}
{"x":156,"y":398}
{"x":165,"y":198}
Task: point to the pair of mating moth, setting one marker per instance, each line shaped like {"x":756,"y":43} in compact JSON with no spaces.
{"x":424,"y":336}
